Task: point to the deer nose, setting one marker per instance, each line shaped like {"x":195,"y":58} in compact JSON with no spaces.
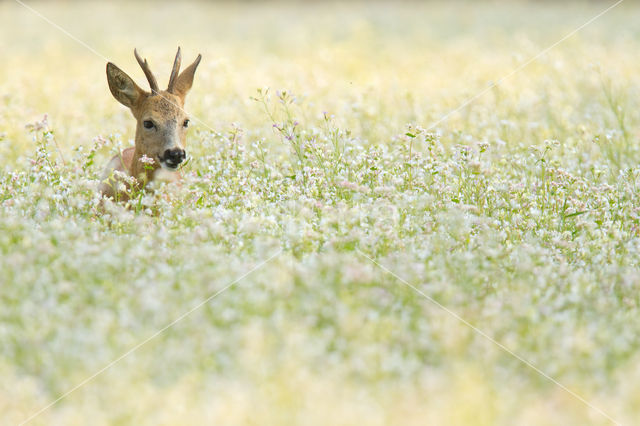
{"x":174,"y":156}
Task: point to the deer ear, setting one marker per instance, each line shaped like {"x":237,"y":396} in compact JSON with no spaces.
{"x":185,"y":79}
{"x":122,"y":87}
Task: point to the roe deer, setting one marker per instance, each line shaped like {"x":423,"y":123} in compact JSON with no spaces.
{"x":160,"y":130}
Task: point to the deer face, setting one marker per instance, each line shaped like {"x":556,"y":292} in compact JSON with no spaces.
{"x":161,"y":130}
{"x":162,"y":122}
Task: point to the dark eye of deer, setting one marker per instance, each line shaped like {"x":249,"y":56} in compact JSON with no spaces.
{"x":148,"y":124}
{"x":186,"y":123}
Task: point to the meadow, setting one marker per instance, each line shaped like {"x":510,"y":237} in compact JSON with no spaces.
{"x":328,"y":213}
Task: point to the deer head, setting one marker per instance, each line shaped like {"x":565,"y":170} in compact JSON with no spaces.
{"x":161,"y":119}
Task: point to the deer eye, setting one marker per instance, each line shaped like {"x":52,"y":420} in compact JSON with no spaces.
{"x":148,"y":124}
{"x":186,"y":123}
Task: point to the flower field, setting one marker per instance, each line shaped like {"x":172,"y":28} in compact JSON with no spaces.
{"x":392,"y":213}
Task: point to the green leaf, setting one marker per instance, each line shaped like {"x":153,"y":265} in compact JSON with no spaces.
{"x":575,"y":214}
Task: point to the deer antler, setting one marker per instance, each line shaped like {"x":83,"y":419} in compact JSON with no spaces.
{"x":174,"y":71}
{"x":147,"y":72}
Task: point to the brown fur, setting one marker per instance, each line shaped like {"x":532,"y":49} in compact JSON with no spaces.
{"x":165,"y":109}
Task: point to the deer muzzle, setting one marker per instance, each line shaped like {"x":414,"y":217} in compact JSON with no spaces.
{"x":171,"y":158}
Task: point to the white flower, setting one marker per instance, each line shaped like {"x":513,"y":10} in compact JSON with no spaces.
{"x":147,"y":160}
